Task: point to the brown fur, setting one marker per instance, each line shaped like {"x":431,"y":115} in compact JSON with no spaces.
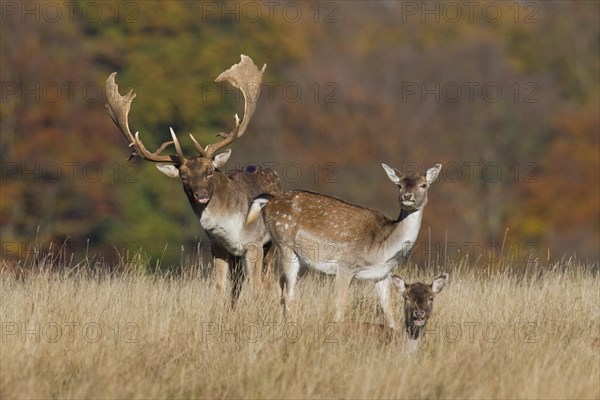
{"x":343,"y":239}
{"x":417,"y":297}
{"x":220,"y":201}
{"x":230,"y":193}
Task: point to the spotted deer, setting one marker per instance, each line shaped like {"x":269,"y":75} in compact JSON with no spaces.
{"x":418,"y":306}
{"x":342,"y":239}
{"x":219,"y":200}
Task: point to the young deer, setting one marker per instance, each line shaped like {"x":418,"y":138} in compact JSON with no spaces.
{"x":342,"y":239}
{"x":219,"y":200}
{"x":418,"y":302}
{"x":418,"y":306}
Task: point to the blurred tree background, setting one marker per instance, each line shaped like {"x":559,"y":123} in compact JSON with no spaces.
{"x":504,"y":94}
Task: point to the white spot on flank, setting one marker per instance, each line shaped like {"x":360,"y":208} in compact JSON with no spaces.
{"x":286,"y":226}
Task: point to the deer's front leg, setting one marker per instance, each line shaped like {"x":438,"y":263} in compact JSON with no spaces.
{"x":221,"y":273}
{"x":383,"y":292}
{"x":342,"y":285}
{"x":253,"y":260}
{"x":221,"y":262}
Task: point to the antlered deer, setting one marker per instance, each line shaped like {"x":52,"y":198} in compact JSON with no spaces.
{"x":219,"y":200}
{"x":349,"y":241}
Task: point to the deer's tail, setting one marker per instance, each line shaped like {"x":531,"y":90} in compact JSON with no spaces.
{"x":257,"y":205}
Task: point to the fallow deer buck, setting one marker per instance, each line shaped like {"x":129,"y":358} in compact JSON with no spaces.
{"x":342,"y":239}
{"x":220,"y":200}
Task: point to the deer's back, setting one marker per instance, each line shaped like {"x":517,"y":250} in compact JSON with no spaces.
{"x":300,"y":216}
{"x":256,"y":180}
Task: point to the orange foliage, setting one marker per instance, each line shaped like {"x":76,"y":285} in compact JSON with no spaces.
{"x":563,"y":207}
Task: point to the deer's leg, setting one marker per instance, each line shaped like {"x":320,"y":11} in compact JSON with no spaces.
{"x":237,"y":278}
{"x":383,"y":292}
{"x":253,"y":259}
{"x":343,"y":279}
{"x":221,"y":262}
{"x":290,"y":266}
{"x":268,"y":260}
{"x":227,"y":265}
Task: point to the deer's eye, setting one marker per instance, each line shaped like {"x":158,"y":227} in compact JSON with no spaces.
{"x":424,"y":186}
{"x":184,"y":177}
{"x":430,"y":300}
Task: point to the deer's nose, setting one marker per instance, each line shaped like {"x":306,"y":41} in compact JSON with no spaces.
{"x":408,"y":197}
{"x":420,"y":314}
{"x":201,"y":197}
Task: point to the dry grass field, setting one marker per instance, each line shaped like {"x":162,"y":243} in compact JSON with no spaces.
{"x":81,"y":334}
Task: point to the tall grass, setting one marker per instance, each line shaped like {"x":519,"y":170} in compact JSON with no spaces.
{"x":81,"y":333}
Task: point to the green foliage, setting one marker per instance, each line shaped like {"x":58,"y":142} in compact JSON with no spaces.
{"x":154,"y":216}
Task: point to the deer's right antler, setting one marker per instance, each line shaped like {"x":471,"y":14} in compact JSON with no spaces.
{"x":118,"y":108}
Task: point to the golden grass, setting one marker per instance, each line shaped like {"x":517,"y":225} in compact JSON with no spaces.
{"x":497,"y":335}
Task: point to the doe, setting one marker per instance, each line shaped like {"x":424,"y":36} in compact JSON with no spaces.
{"x":343,"y":239}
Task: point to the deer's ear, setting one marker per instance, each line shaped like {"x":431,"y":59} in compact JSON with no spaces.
{"x":220,"y":159}
{"x":438,"y":283}
{"x":432,"y":173}
{"x":394,"y":175}
{"x":169,"y":170}
{"x":398,"y":283}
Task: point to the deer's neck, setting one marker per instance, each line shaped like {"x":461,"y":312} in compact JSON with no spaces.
{"x":224,"y":215}
{"x":228,"y":196}
{"x":225,"y":202}
{"x":403,"y":235}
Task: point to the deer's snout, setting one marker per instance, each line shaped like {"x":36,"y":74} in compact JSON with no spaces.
{"x":419,"y":314}
{"x":408,"y":197}
{"x":201,"y":197}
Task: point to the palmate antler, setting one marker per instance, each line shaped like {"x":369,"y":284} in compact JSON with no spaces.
{"x":245,"y":76}
{"x":248,"y":78}
{"x":118,"y":108}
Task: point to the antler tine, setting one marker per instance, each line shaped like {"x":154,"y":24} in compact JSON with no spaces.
{"x":118,"y":108}
{"x":198,"y":147}
{"x":177,"y":146}
{"x":248,"y":78}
